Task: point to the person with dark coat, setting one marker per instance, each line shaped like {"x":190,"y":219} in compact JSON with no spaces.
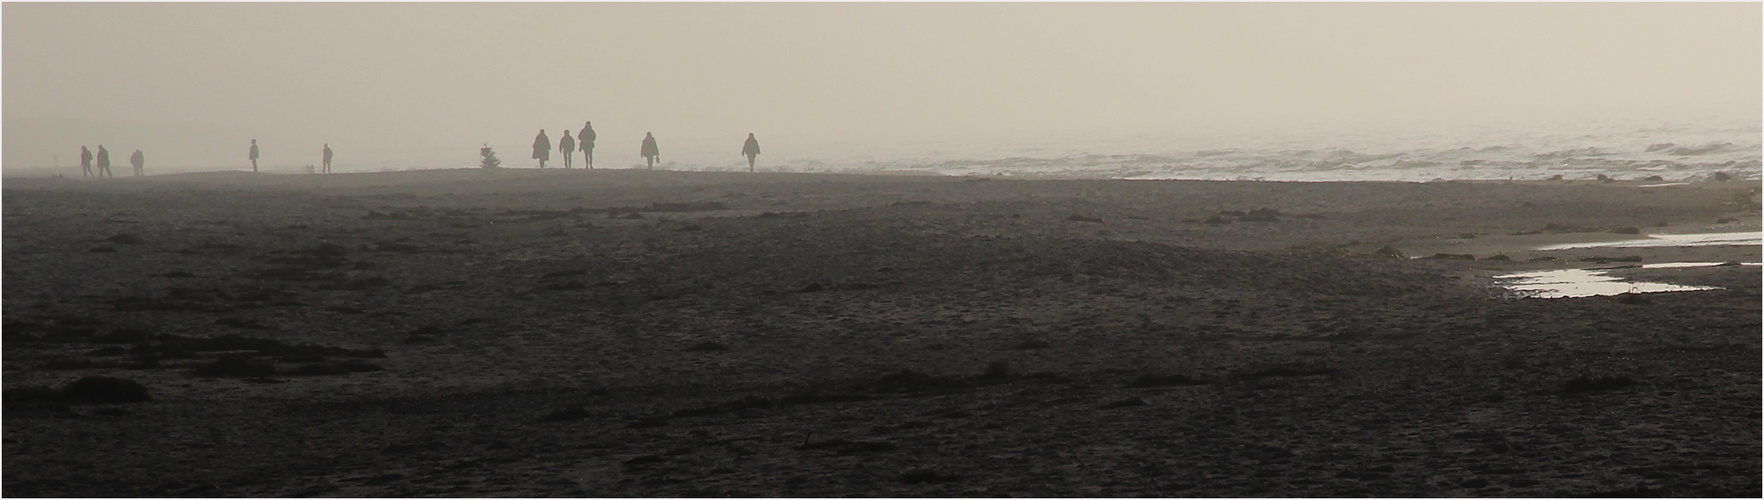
{"x":542,"y":148}
{"x":651,"y":153}
{"x":104,"y":162}
{"x":750,"y":150}
{"x":254,"y":155}
{"x":327,"y":168}
{"x":85,"y":162}
{"x":585,"y":139}
{"x":566,"y":145}
{"x":138,"y":161}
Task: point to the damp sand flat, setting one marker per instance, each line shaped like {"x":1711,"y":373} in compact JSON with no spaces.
{"x":621,"y":333}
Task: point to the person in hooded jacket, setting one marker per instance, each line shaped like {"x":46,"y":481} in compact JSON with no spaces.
{"x":542,"y":148}
{"x":85,"y":162}
{"x":138,"y":161}
{"x":750,"y":150}
{"x":651,"y":153}
{"x":104,"y":162}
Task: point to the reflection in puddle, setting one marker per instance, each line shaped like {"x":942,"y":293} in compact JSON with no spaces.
{"x":1562,"y":283}
{"x":1672,"y":240}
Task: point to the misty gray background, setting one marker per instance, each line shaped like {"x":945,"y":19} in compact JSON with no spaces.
{"x":423,"y":85}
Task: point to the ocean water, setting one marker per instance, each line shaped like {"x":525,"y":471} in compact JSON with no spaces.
{"x":1673,"y":152}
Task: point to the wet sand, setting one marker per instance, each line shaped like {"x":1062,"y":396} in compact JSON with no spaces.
{"x":630,"y":333}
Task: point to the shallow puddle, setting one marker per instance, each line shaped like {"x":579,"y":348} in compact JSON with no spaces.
{"x":1672,"y":240}
{"x":1564,"y":283}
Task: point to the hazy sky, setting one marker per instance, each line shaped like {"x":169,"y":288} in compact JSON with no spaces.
{"x":392,"y":84}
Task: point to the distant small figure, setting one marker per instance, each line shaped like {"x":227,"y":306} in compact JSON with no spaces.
{"x":327,"y":166}
{"x":750,"y":150}
{"x":566,"y":145}
{"x":138,"y":161}
{"x":104,"y":163}
{"x":651,"y":154}
{"x":585,"y":140}
{"x":254,"y":155}
{"x":542,"y":148}
{"x":85,"y":162}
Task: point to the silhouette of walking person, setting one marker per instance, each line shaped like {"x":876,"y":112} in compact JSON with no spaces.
{"x":566,"y":146}
{"x":585,"y":140}
{"x":327,"y":168}
{"x":104,"y":162}
{"x":651,"y":154}
{"x":254,"y":155}
{"x":138,"y":161}
{"x":85,"y":162}
{"x":750,"y":150}
{"x":542,"y":148}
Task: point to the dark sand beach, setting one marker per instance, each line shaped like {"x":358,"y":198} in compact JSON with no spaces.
{"x":631,"y":333}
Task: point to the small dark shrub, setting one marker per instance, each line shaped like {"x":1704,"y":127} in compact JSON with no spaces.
{"x":1083,"y":218}
{"x":102,"y":250}
{"x":233,"y":365}
{"x":100,"y":389}
{"x":812,"y":288}
{"x":1626,"y":230}
{"x":1590,"y":383}
{"x":1498,"y":257}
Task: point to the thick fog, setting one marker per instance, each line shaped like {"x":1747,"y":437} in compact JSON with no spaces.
{"x":424,"y":85}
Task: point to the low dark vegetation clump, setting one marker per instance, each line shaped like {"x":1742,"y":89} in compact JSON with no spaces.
{"x":1604,"y":260}
{"x":1631,"y":298}
{"x":1155,"y":380}
{"x":101,"y":389}
{"x":102,"y":250}
{"x":1626,"y":230}
{"x":1083,"y":218}
{"x":107,"y":351}
{"x":1591,"y":383}
{"x":233,"y":365}
{"x":1499,"y":257}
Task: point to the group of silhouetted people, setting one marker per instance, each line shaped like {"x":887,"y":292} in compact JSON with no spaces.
{"x":584,"y":142}
{"x":102,"y":167}
{"x":325,"y":169}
